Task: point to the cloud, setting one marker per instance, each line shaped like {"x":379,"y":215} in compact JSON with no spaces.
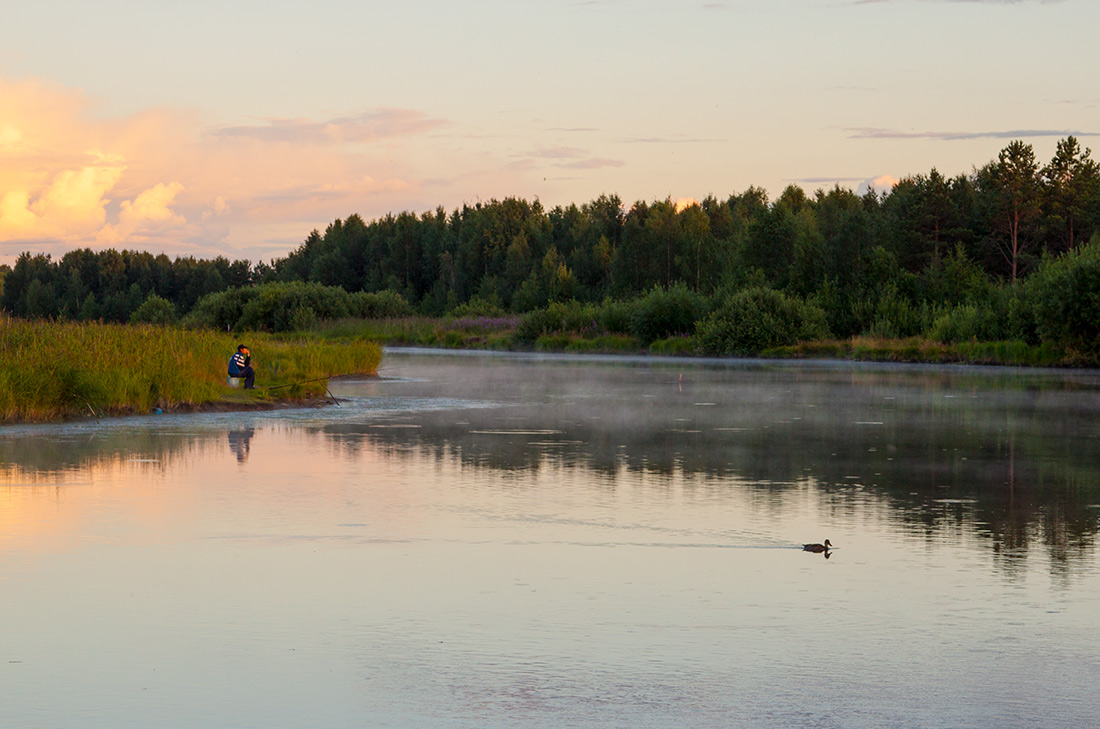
{"x":670,"y":140}
{"x":368,"y":126}
{"x":162,"y":180}
{"x":557,"y":152}
{"x":881,"y":133}
{"x":823,"y":180}
{"x":148,"y":212}
{"x":592,"y":163}
{"x":73,"y":203}
{"x":863,"y":184}
{"x":881,"y":183}
{"x":574,"y":158}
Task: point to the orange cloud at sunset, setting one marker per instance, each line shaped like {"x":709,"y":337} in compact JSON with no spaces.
{"x":160,"y":180}
{"x":885,"y":182}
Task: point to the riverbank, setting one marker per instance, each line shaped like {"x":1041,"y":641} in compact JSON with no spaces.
{"x":53,"y":371}
{"x":504,"y":334}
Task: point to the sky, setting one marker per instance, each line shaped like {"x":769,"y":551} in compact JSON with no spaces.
{"x":236,"y":127}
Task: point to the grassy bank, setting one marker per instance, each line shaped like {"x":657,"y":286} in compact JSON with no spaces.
{"x":916,"y":349}
{"x":501,"y":334}
{"x":57,"y":370}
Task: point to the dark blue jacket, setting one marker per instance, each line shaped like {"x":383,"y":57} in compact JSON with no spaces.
{"x":237,"y":363}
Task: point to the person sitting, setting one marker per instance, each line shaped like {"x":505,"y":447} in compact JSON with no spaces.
{"x":240,"y":365}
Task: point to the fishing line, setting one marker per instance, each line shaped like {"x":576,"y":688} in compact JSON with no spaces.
{"x":317,"y":379}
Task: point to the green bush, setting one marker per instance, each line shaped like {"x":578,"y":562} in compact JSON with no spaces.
{"x":666,"y":312}
{"x":674,"y":346}
{"x":302,"y":318}
{"x":615,"y":316}
{"x":276,"y":307}
{"x":890,"y":316}
{"x":955,"y":280}
{"x":1065,"y":293}
{"x":963,"y":323}
{"x":756,"y":319}
{"x":273,"y":307}
{"x":1013,"y":314}
{"x":386,"y":304}
{"x":220,"y":310}
{"x":568,"y":316}
{"x":477,"y":307}
{"x":155,"y":310}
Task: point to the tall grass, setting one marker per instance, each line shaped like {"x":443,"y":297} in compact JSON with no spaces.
{"x":55,"y":370}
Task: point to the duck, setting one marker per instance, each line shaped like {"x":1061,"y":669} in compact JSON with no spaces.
{"x":817,"y":547}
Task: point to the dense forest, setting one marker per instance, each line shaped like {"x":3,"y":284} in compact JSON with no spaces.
{"x":884,"y":263}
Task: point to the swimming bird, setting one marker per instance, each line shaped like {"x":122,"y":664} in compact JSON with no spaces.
{"x":817,"y":547}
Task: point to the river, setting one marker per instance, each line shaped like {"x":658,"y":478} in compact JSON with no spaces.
{"x":491,"y":541}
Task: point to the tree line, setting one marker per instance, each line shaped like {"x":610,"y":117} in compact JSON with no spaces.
{"x":930,"y":240}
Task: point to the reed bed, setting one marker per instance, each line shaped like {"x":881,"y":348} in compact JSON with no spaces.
{"x":58,"y":370}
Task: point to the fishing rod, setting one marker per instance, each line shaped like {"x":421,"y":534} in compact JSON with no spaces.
{"x":317,"y":379}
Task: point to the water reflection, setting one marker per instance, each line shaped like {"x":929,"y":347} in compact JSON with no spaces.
{"x":240,"y":442}
{"x":541,"y":543}
{"x":1012,"y":459}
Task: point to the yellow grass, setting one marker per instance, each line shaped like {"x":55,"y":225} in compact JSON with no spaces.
{"x":56,"y":370}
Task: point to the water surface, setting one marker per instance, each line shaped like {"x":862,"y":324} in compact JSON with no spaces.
{"x":524,"y":541}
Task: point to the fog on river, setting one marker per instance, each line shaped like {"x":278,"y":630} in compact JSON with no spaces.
{"x":479,"y":540}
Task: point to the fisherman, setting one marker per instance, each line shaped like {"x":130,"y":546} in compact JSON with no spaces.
{"x":240,"y":365}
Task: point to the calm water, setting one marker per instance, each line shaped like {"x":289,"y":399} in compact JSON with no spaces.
{"x":545,"y":542}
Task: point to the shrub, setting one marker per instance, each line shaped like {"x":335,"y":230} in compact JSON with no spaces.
{"x":569,"y":316}
{"x":220,"y":310}
{"x":155,"y":310}
{"x":273,"y":307}
{"x":1013,"y":315}
{"x":615,"y":316}
{"x":756,"y":319}
{"x":890,"y":316}
{"x":386,"y":304}
{"x":955,"y":280}
{"x":484,"y":324}
{"x":303,"y":317}
{"x":1065,"y":293}
{"x":665,"y":312}
{"x":674,"y":346}
{"x":963,"y":323}
{"x":478,"y":307}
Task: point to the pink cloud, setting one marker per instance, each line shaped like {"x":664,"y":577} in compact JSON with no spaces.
{"x":368,"y":126}
{"x":162,"y":180}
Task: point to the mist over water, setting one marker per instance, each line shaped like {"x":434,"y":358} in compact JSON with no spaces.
{"x":502,"y":541}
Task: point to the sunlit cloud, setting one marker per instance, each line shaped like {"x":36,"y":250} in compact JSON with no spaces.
{"x":882,"y":183}
{"x":879,"y":183}
{"x":159,"y":179}
{"x":149,"y":211}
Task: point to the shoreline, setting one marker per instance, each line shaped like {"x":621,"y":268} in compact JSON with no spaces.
{"x":776,"y":357}
{"x":229,"y":405}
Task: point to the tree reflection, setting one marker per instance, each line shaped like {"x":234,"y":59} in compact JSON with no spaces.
{"x":1005,"y":460}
